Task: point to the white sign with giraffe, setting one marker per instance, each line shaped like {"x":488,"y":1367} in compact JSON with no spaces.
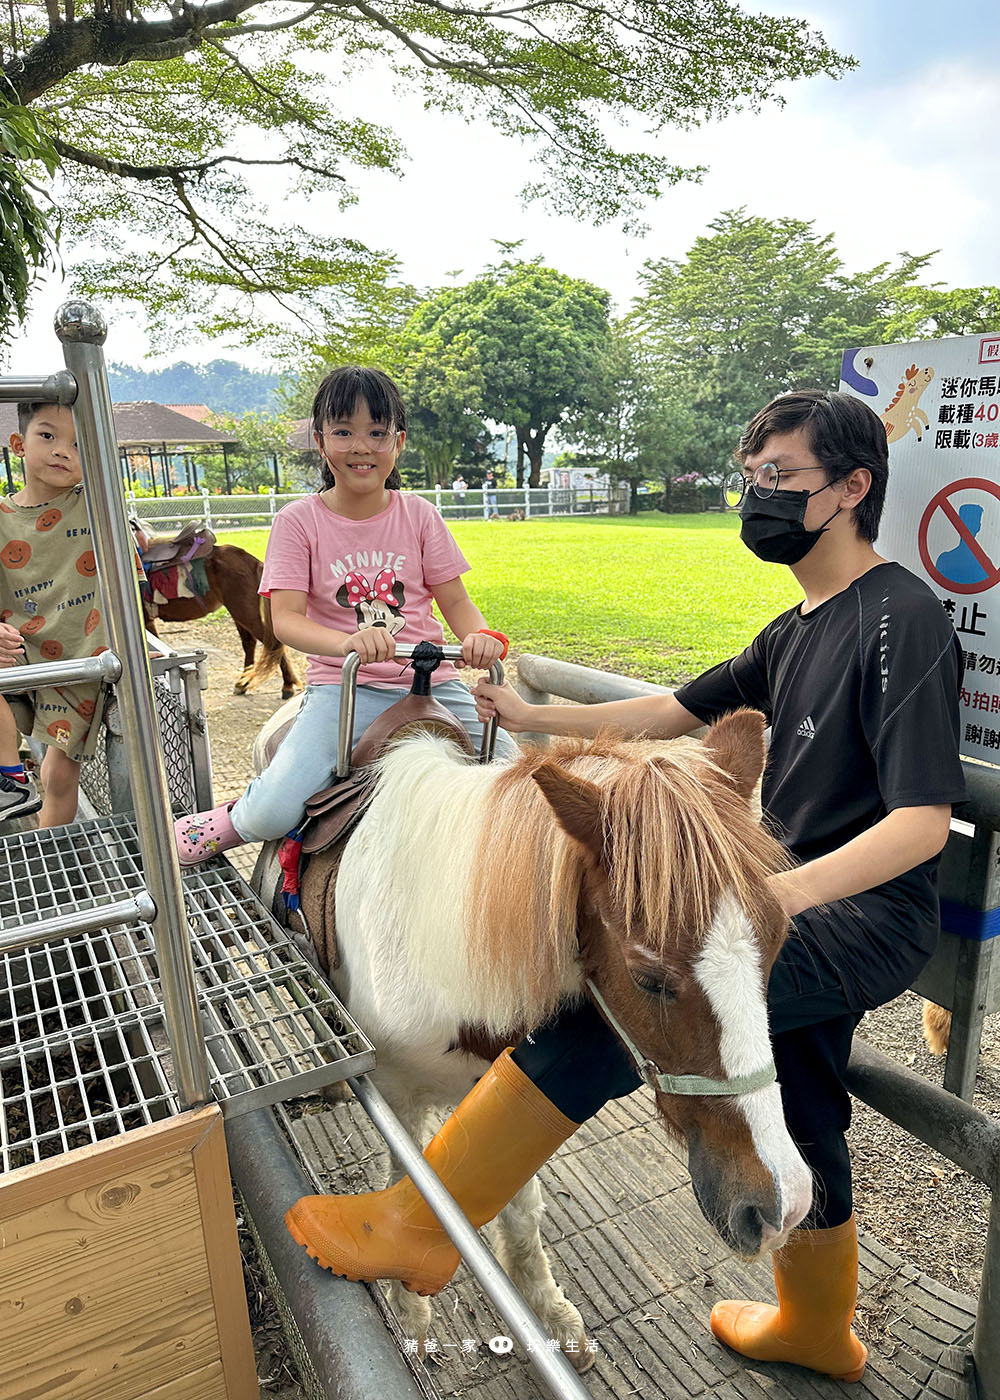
{"x":940,"y":403}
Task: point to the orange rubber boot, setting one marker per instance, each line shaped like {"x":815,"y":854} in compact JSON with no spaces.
{"x":816,"y":1275}
{"x":491,"y":1146}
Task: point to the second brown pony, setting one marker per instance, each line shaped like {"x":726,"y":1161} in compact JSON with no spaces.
{"x":233,"y":580}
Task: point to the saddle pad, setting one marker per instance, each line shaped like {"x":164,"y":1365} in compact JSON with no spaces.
{"x":331,"y":813}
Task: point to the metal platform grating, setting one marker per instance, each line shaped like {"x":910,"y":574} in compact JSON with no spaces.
{"x":83,"y":1049}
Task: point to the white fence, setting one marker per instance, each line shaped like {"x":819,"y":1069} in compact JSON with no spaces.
{"x":257,"y":512}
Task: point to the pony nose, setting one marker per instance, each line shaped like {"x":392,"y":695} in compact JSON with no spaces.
{"x":752,"y":1226}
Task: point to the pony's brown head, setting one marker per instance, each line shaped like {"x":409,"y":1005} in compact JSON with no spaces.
{"x":677,"y":929}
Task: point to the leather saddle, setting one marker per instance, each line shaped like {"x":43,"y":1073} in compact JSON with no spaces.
{"x":192,"y":541}
{"x":333,"y":811}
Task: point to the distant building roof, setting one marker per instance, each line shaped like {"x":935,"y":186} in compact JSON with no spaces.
{"x":144,"y":424}
{"x":200,"y":412}
{"x":300,"y":439}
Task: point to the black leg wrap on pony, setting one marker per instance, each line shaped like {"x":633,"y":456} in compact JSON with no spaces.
{"x":577,"y":1061}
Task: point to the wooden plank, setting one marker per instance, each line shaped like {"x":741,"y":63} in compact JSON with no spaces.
{"x":208,"y":1383}
{"x":112,"y":1261}
{"x":225,"y":1270}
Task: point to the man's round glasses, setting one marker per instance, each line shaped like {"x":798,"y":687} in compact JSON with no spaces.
{"x":764,"y":482}
{"x":344,"y":440}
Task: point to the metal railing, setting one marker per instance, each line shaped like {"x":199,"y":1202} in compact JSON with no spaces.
{"x":84,"y":387}
{"x":937,"y":1117}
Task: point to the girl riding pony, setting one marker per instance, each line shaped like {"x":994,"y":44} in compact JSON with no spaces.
{"x":355,"y":567}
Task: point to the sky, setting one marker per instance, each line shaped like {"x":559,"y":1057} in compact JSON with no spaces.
{"x":901,"y":155}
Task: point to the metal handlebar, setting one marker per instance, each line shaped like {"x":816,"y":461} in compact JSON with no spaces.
{"x":105,"y":667}
{"x":348,"y":690}
{"x":28,"y":388}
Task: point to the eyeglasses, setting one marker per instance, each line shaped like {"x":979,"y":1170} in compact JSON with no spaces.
{"x":764,"y":482}
{"x":344,"y":440}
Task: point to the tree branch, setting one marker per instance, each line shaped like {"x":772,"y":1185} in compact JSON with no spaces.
{"x":180,"y":169}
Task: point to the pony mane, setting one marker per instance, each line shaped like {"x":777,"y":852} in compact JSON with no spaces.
{"x":676,"y":835}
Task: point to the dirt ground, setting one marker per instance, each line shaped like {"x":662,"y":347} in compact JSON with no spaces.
{"x":926,"y":1209}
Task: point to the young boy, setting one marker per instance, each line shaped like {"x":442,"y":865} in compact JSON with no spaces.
{"x":50,"y":608}
{"x":860,"y":686}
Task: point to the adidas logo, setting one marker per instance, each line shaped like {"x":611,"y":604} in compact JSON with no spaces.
{"x":807,"y":730}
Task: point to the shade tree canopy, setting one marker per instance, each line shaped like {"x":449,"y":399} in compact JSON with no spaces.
{"x":759,"y":306}
{"x":169,"y":119}
{"x":537,"y":337}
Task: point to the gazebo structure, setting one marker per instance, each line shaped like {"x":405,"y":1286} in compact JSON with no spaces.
{"x":153,"y":440}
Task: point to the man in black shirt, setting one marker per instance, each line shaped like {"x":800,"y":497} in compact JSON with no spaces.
{"x":860,"y":686}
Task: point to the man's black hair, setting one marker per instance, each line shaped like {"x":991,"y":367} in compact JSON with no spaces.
{"x":843,"y":433}
{"x":339,"y":395}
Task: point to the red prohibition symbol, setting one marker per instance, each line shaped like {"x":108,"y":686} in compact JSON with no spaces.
{"x":942,"y":502}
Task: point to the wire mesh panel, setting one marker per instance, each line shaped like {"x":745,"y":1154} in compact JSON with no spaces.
{"x":174,"y":727}
{"x":83,"y":1051}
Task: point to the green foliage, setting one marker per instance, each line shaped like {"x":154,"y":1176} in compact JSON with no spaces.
{"x":760,"y":306}
{"x":658,"y":597}
{"x":28,"y":231}
{"x":262,"y":437}
{"x":525,"y":342}
{"x":442,"y":387}
{"x":144,"y":108}
{"x":224,"y":385}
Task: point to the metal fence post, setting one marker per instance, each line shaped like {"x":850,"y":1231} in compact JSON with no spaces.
{"x":437,"y":497}
{"x":527,"y":501}
{"x":986,"y":1337}
{"x":272,"y":508}
{"x":206,"y":507}
{"x":82,"y":330}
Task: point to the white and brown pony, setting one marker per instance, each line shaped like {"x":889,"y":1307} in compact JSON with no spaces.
{"x":471,"y":901}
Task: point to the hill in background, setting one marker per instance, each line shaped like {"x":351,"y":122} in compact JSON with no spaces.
{"x":227,"y":387}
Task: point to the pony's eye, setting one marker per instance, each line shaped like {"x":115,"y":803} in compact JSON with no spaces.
{"x":655,"y":986}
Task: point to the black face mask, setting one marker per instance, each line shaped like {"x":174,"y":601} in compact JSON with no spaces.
{"x":773,"y":529}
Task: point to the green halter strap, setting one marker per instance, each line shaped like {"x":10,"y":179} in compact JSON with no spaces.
{"x":651,"y":1074}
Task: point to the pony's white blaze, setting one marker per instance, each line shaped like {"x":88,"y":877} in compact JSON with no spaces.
{"x":729,"y":972}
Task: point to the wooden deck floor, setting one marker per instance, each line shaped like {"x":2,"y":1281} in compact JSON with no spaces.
{"x":628,"y":1244}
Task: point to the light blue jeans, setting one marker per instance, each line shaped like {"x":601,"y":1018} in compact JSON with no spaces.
{"x":275,"y":802}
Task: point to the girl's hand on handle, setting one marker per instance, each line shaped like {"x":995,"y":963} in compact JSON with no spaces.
{"x":372,"y":644}
{"x":11,"y":644}
{"x":481,"y":650}
{"x":513,"y":713}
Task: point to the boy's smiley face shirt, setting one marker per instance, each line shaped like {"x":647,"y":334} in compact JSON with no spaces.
{"x":48,"y":578}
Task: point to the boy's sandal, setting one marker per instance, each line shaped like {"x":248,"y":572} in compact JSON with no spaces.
{"x":205,"y":834}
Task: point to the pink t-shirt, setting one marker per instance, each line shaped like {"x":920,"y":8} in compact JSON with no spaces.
{"x":360,"y":573}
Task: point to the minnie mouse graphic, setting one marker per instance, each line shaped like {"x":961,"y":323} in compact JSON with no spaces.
{"x":375,"y":605}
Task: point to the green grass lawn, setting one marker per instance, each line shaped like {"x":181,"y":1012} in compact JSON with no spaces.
{"x":655,"y":596}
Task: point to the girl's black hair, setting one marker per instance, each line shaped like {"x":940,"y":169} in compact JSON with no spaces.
{"x":341,"y":392}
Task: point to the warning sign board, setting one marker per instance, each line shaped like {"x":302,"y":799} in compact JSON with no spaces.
{"x":940,"y":403}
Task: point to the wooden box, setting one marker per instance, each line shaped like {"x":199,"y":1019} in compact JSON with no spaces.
{"x":120,"y":1271}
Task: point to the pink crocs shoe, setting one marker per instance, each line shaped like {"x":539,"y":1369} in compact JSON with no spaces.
{"x":205,"y":834}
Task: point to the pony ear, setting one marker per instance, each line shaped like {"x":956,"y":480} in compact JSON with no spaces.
{"x":577,"y":805}
{"x":736,"y":745}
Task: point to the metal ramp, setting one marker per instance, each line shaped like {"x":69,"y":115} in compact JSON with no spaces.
{"x":629,"y":1245}
{"x":84,"y":1052}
